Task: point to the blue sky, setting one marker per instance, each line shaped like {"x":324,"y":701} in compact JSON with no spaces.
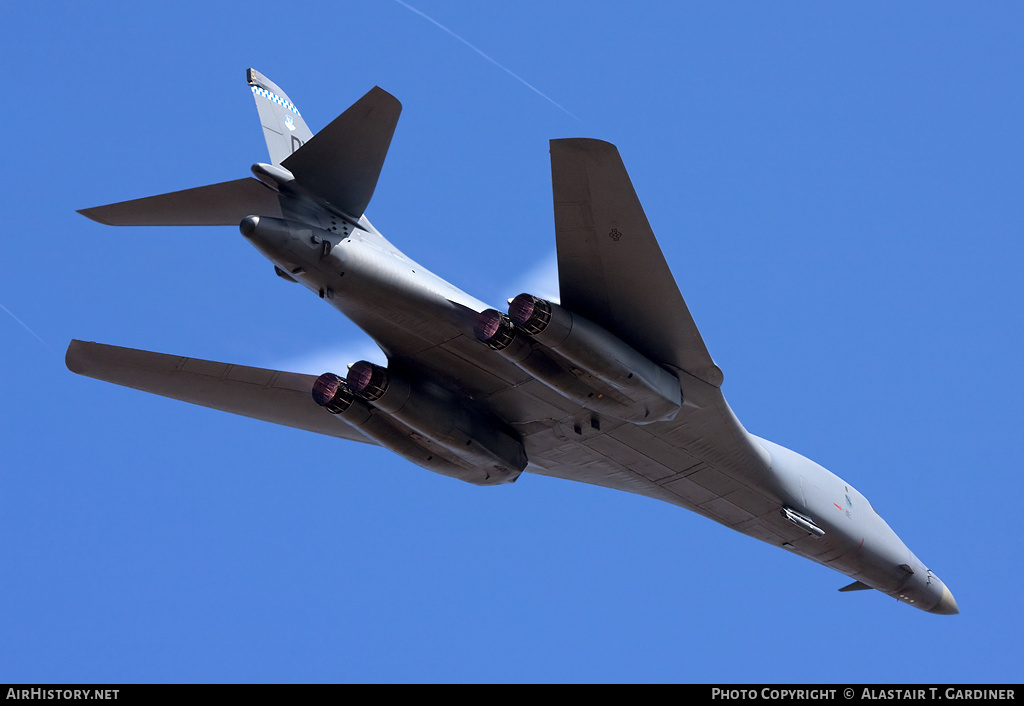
{"x":836,"y":187}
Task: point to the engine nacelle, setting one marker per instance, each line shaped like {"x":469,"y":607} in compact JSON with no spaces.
{"x":465,"y":433}
{"x":497,"y":331}
{"x":621,"y":382}
{"x":334,"y":394}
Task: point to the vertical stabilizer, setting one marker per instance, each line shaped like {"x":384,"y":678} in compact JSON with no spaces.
{"x":283,"y":127}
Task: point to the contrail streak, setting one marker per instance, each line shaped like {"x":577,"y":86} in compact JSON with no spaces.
{"x":508,"y":71}
{"x":24,"y":326}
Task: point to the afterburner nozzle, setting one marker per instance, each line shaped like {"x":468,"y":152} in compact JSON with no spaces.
{"x":367,"y":380}
{"x":332,"y":392}
{"x":494,"y":328}
{"x":530,"y":313}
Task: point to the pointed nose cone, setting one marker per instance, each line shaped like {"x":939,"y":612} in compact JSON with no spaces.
{"x":946,"y":605}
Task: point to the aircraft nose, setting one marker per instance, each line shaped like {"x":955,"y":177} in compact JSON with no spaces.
{"x":946,"y":605}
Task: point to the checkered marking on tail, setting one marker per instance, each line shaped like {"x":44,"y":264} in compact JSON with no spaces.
{"x":277,"y":99}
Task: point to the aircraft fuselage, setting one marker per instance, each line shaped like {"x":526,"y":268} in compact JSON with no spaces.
{"x":407,"y":309}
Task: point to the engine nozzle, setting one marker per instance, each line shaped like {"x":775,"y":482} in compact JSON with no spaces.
{"x":332,"y":393}
{"x":530,"y":313}
{"x":367,"y":380}
{"x":494,"y":328}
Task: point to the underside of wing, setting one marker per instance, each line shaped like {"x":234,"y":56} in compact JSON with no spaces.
{"x":610,"y":267}
{"x":271,"y":395}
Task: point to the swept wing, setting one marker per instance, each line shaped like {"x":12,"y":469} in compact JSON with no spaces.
{"x":271,"y":395}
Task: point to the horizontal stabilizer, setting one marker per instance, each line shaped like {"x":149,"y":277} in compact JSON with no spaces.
{"x":270,"y":395}
{"x":855,"y":586}
{"x":610,"y":267}
{"x":224,"y":204}
{"x":342,"y":162}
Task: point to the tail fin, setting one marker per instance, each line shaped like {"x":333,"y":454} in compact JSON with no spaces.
{"x":340,"y":166}
{"x":283,"y":127}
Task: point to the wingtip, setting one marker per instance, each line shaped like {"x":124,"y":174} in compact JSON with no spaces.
{"x":582,"y":144}
{"x":381,"y":94}
{"x":74,"y":357}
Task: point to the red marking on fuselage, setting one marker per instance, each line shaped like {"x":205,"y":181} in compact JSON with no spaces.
{"x":838,"y":506}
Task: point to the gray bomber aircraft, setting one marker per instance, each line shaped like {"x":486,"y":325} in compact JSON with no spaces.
{"x":612,"y":385}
